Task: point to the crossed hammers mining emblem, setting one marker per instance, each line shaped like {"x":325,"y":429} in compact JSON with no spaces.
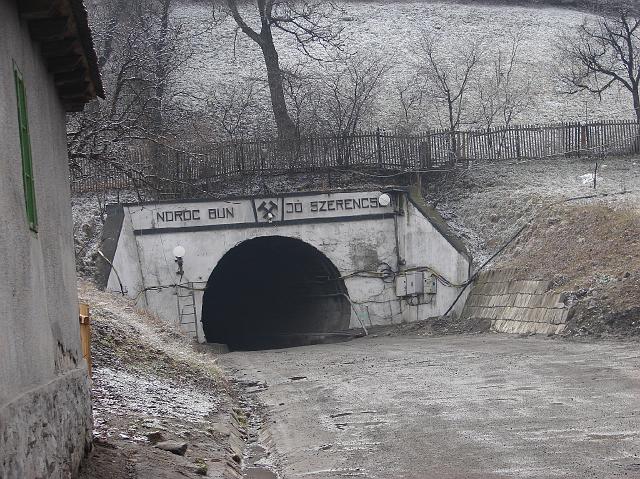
{"x":268,"y":209}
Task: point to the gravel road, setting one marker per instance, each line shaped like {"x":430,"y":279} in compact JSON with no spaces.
{"x":449,"y":407}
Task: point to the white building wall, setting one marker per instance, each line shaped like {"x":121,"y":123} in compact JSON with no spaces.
{"x":43,"y":381}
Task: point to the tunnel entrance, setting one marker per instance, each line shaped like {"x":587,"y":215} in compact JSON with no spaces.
{"x":274,"y":292}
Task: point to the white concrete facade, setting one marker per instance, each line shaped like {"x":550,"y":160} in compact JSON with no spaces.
{"x":45,"y":409}
{"x":405,"y":236}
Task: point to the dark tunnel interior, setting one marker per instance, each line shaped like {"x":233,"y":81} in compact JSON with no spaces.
{"x":273,"y":292}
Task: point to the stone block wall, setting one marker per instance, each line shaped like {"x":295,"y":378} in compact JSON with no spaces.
{"x":46,"y":432}
{"x":516,"y":306}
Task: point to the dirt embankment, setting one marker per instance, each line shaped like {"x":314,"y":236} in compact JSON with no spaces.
{"x":589,"y":247}
{"x":591,"y":252}
{"x":153,"y":393}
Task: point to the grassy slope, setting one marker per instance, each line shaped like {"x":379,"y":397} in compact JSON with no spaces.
{"x":148,"y":378}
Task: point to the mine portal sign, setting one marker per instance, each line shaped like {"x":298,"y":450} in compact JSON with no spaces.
{"x":283,"y":209}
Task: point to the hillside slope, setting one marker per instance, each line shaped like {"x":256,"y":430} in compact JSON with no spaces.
{"x":592,"y":253}
{"x":390,"y":31}
{"x":488,"y":202}
{"x":149,"y":385}
{"x":585,"y":240}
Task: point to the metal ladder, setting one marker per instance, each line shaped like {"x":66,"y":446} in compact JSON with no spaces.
{"x":187,"y":314}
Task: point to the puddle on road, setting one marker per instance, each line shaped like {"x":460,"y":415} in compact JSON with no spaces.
{"x":258,"y":473}
{"x":253,"y":470}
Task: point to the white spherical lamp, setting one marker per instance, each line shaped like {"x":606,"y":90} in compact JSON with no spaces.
{"x":179,"y":251}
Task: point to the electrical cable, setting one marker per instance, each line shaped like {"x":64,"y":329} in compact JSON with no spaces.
{"x":475,"y":275}
{"x":114,"y":270}
{"x":364,"y":328}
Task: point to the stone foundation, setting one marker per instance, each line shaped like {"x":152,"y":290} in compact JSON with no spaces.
{"x":46,"y":432}
{"x":516,"y":306}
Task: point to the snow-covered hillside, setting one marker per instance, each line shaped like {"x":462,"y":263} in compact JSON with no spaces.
{"x":390,"y":30}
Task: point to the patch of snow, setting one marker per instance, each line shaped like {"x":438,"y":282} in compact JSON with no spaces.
{"x":587,"y":179}
{"x":119,"y":393}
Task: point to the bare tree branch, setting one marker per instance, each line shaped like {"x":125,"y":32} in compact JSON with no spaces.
{"x":604,"y":53}
{"x":450,"y":80}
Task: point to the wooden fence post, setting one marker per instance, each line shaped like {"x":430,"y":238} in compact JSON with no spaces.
{"x":243,"y":165}
{"x":584,"y":136}
{"x":85,"y":334}
{"x":379,"y":147}
{"x":578,"y":137}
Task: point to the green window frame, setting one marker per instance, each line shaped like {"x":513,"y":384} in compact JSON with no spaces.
{"x":25,"y":151}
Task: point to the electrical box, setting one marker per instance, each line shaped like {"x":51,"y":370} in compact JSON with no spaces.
{"x":430,"y":283}
{"x":401,"y":285}
{"x":416,"y":283}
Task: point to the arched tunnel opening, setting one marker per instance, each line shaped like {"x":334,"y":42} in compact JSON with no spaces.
{"x":274,"y":292}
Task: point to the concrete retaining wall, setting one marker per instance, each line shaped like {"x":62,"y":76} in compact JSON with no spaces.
{"x":515,"y":305}
{"x":46,"y":432}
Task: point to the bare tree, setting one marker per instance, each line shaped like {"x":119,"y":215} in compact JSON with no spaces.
{"x":604,"y":53}
{"x":299,"y":90}
{"x":141,"y":49}
{"x":343,"y":99}
{"x":504,"y":93}
{"x":346,"y":95}
{"x":412,"y":94}
{"x":235,"y":109}
{"x":305,"y":20}
{"x":450,"y":79}
{"x":161,"y":62}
